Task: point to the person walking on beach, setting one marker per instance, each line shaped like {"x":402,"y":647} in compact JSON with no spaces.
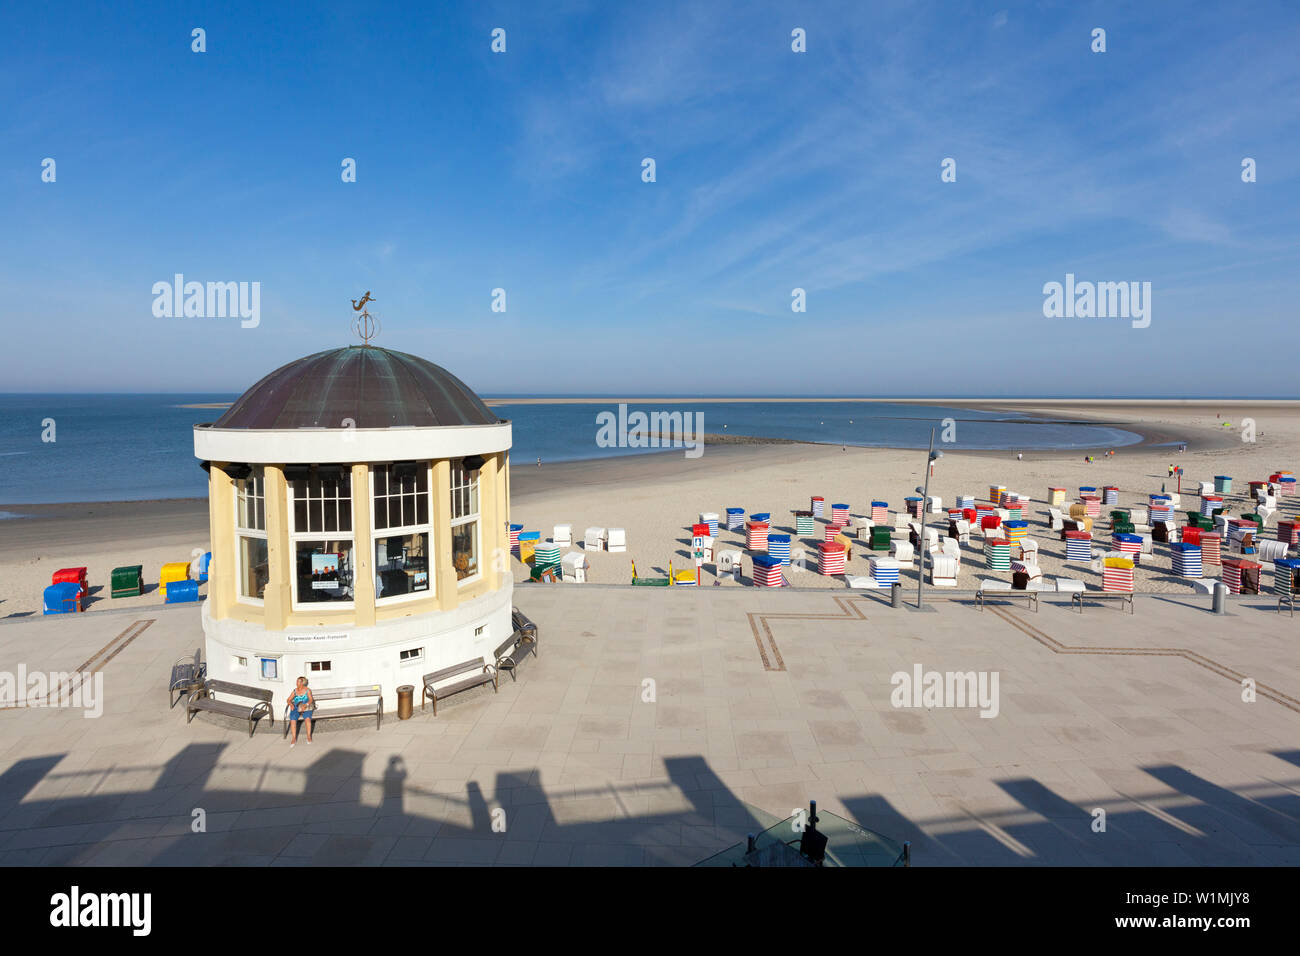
{"x":301,"y":706}
{"x":1020,"y":456}
{"x":539,"y":461}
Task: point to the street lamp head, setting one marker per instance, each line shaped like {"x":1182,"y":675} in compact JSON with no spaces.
{"x":935,"y":454}
{"x":920,"y":490}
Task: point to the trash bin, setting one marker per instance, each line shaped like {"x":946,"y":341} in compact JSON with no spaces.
{"x":405,"y":698}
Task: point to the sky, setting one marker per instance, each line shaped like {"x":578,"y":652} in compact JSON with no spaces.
{"x":775,"y":170}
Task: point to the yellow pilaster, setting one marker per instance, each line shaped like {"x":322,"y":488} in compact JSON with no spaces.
{"x":363,"y":549}
{"x":448,"y":597}
{"x":224,"y":570}
{"x":278,"y":597}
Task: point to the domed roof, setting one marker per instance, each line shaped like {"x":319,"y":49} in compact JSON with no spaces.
{"x":374,"y":387}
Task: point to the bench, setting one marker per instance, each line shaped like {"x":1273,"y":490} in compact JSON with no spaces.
{"x":359,"y":704}
{"x":206,"y":699}
{"x":1030,"y":597}
{"x":479,"y":673}
{"x":1124,"y":597}
{"x":186,"y":672}
{"x":522,"y":640}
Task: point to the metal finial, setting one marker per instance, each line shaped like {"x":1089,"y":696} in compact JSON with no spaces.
{"x":365,"y":325}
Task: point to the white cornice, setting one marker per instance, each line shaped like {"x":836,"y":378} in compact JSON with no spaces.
{"x":348,"y":445}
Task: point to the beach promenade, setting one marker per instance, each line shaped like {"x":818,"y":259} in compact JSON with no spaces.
{"x":660,"y":726}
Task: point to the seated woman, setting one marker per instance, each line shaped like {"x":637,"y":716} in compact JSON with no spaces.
{"x":301,"y":705}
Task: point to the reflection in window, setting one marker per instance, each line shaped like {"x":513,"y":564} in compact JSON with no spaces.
{"x":253,"y":567}
{"x":250,"y":535}
{"x":464,"y":521}
{"x":401,"y":564}
{"x":325,"y":571}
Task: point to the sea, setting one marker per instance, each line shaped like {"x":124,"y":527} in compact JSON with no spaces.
{"x":75,"y":447}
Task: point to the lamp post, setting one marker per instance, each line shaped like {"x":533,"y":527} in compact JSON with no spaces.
{"x":930,"y":459}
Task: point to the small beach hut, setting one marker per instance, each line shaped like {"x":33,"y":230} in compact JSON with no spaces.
{"x":997,"y":551}
{"x":62,"y":598}
{"x":1286,"y":485}
{"x":1285,"y":572}
{"x":1091,"y":505}
{"x":128,"y":581}
{"x":710,"y":518}
{"x":995,"y":494}
{"x":913,"y":504}
{"x":735,"y":518}
{"x":1015,"y":530}
{"x":804,"y":523}
{"x":515,"y":529}
{"x":546,"y":555}
{"x":756,"y":533}
{"x":778,"y":546}
{"x":1055,"y":496}
{"x":830,"y":558}
{"x":593,"y":538}
{"x":1078,"y":546}
{"x":880,"y":538}
{"x":573,"y":567}
{"x":1186,"y":559}
{"x":1222,"y":485}
{"x":1117,"y":574}
{"x":616,"y":539}
{"x":767,"y":571}
{"x":76,"y":576}
{"x":840,"y":514}
{"x":528,"y":545}
{"x":1209,"y":503}
{"x":884,"y":570}
{"x":172,"y":571}
{"x":1127,"y":544}
{"x":965,"y":501}
{"x":817,"y":506}
{"x":1241,"y":575}
{"x":1211,"y":548}
{"x":563,"y":535}
{"x":879,"y":511}
{"x":1110,"y":495}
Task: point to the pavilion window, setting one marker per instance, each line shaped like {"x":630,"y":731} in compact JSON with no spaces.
{"x":321,"y":536}
{"x":464,"y":521}
{"x":401,"y":504}
{"x":250,"y":536}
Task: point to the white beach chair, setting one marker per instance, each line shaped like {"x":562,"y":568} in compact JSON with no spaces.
{"x":563,"y":535}
{"x":902,"y":551}
{"x":934,"y":504}
{"x":1266,"y":513}
{"x":1207,"y":488}
{"x":573,"y":567}
{"x":593,"y":539}
{"x":1175,"y":499}
{"x":616,"y":539}
{"x":1271,"y":550}
{"x":1069,"y":584}
{"x":1138,"y":515}
{"x":1029,"y":549}
{"x":963,"y":531}
{"x":862,"y":582}
{"x":943,"y":571}
{"x":1058,"y":518}
{"x":862,"y":525}
{"x":1145,"y":546}
{"x":992,"y":584}
{"x":729,"y":559}
{"x":951,"y":549}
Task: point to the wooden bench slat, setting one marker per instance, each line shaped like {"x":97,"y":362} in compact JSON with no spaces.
{"x":486,"y":674}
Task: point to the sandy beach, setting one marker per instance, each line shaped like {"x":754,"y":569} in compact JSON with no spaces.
{"x":656,"y":497}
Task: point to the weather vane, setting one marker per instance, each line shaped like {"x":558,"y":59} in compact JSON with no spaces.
{"x":365,"y":325}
